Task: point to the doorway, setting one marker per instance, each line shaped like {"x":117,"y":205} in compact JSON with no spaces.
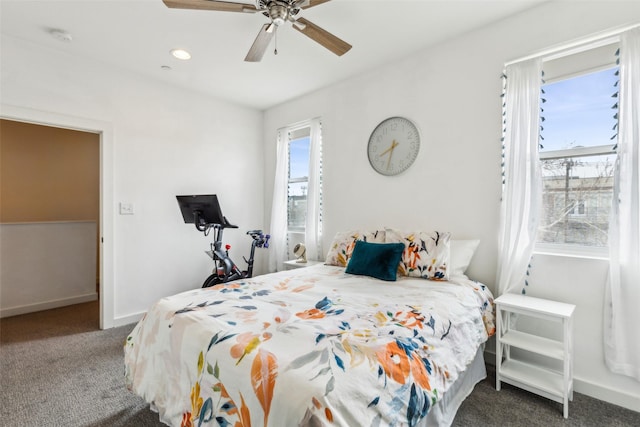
{"x":103,"y":131}
{"x":50,"y":212}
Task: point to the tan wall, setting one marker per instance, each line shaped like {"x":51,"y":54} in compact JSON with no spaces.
{"x":48,"y":173}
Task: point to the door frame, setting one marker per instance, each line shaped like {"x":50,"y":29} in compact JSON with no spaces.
{"x":105,"y":132}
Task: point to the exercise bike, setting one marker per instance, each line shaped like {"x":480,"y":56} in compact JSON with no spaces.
{"x":204,"y":211}
{"x":225,"y":269}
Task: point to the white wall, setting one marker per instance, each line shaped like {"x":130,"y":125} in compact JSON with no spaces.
{"x":165,"y":141}
{"x":451,"y":91}
{"x":46,"y":265}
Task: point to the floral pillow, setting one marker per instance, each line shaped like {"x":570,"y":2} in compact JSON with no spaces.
{"x":426,"y":254}
{"x":344,"y":242}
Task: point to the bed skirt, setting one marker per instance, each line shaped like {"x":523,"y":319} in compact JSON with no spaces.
{"x":443,"y":412}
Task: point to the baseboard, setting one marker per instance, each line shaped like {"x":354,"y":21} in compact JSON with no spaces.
{"x":47,"y":305}
{"x":128,"y":320}
{"x":590,"y":389}
{"x":606,"y":394}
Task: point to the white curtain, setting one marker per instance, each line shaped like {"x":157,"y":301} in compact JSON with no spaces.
{"x":278,"y":230}
{"x":313,"y":225}
{"x":622,"y":302}
{"x":522,"y":190}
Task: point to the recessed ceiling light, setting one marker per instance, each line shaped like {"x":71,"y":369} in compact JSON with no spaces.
{"x":181,"y":54}
{"x":165,"y":67}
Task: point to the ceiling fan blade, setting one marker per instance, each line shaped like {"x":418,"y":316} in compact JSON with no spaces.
{"x":325,"y":38}
{"x":260,"y":44}
{"x":224,"y":6}
{"x":311,"y":3}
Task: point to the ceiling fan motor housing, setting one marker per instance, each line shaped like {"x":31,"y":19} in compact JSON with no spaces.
{"x":278,"y":13}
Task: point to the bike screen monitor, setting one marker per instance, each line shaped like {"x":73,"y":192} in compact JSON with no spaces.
{"x":201,"y":210}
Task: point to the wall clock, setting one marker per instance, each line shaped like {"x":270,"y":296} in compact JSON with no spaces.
{"x":393,"y":146}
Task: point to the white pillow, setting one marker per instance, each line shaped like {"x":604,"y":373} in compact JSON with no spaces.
{"x":461,"y":253}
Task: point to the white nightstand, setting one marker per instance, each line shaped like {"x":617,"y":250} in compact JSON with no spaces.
{"x":552,"y":384}
{"x":291,"y":264}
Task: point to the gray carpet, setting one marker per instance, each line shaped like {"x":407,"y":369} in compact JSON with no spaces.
{"x":58,"y":369}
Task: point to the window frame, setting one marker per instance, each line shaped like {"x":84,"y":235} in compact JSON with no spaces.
{"x":295,"y":133}
{"x":567,"y":249}
{"x":302,"y":132}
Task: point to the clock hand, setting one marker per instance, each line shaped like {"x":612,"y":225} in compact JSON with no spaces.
{"x":393,"y":145}
{"x":384,"y":152}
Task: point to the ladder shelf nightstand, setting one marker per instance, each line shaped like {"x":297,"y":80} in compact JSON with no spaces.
{"x":293,"y":264}
{"x":552,"y":384}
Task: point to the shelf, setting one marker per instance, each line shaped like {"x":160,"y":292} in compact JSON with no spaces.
{"x":535,"y":344}
{"x":527,"y":376}
{"x":556,"y":385}
{"x":293,"y":264}
{"x":536,"y":306}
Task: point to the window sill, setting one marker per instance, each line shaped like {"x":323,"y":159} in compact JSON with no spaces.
{"x":572,"y":252}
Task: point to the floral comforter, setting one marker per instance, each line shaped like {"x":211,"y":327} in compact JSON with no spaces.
{"x":307,"y":347}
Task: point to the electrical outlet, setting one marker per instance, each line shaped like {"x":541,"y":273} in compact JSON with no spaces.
{"x":126,"y":208}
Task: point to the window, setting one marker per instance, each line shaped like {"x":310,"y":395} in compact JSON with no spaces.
{"x":577,"y":150}
{"x":298,"y":186}
{"x":296,"y":212}
{"x":577,"y":178}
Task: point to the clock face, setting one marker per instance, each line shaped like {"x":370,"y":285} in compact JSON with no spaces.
{"x":393,"y":146}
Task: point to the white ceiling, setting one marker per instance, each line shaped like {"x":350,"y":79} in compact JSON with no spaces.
{"x":137,"y":35}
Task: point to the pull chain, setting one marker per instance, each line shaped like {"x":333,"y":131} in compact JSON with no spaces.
{"x":275,"y":50}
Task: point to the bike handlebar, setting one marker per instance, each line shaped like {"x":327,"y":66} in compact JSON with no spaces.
{"x":259,"y":239}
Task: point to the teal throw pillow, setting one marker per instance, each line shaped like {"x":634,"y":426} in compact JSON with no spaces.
{"x":379,"y":260}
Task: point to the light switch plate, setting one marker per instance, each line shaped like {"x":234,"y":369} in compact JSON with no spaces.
{"x":126,"y":208}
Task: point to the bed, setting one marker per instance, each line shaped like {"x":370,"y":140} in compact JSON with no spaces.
{"x":316,"y":346}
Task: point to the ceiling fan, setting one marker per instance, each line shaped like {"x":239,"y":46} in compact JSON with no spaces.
{"x":279,"y":12}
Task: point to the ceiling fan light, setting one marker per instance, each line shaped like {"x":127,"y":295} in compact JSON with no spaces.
{"x":180,"y":54}
{"x":278,"y":13}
